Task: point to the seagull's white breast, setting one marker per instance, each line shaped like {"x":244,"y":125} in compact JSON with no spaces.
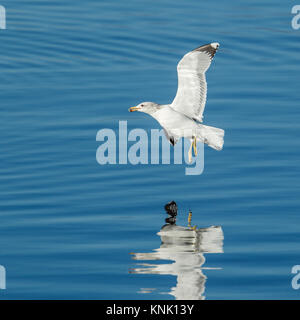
{"x":176,"y":124}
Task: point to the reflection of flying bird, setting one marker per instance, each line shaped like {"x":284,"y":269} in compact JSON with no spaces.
{"x":181,"y":118}
{"x":185,"y":246}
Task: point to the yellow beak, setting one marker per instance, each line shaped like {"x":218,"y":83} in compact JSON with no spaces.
{"x":133,"y":109}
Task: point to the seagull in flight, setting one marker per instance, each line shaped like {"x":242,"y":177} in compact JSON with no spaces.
{"x":183,"y":117}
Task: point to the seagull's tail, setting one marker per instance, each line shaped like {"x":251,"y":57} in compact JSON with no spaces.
{"x":213,"y":137}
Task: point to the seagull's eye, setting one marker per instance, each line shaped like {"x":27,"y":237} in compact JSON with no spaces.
{"x":142,"y":105}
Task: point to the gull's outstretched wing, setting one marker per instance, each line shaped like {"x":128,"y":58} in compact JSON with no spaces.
{"x":191,"y":93}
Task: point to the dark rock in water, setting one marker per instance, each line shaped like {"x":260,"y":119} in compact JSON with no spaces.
{"x":171,"y":220}
{"x":171,"y":208}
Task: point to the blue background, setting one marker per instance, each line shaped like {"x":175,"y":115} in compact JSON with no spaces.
{"x":71,"y":68}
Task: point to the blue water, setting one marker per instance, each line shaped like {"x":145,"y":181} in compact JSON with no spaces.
{"x":71,"y":68}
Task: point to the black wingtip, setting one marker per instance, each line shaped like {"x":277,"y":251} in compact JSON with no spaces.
{"x":172,"y":141}
{"x":171,"y":220}
{"x":171,"y":208}
{"x":210,"y":48}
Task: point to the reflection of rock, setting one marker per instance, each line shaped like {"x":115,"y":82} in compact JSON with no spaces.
{"x":185,"y":247}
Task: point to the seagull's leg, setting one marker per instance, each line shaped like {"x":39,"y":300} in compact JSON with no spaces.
{"x":195,"y":146}
{"x":190,"y":152}
{"x":190,"y":219}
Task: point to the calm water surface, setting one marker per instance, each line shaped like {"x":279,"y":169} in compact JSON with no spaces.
{"x":72,"y":229}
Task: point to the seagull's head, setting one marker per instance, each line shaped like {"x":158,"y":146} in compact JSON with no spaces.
{"x":147,"y":107}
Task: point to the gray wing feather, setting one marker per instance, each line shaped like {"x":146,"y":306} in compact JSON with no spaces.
{"x":192,"y":88}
